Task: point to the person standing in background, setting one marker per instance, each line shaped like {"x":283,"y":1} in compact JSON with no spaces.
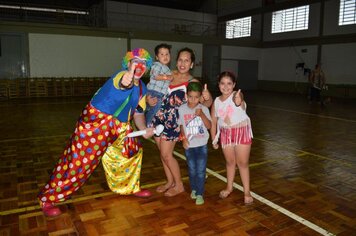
{"x":317,"y":83}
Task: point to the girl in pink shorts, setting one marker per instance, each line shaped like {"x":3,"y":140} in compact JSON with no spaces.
{"x":232,"y":126}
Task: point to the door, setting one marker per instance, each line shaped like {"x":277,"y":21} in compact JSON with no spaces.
{"x":211,"y":66}
{"x":245,"y":70}
{"x":247,"y":74}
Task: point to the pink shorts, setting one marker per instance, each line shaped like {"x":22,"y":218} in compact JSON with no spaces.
{"x":236,"y":135}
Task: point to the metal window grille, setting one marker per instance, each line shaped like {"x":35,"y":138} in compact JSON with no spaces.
{"x":292,"y":19}
{"x":347,"y":15}
{"x":238,"y":28}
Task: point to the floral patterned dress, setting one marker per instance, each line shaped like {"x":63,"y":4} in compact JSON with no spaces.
{"x":167,"y":115}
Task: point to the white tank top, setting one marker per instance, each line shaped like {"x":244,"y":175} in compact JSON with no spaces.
{"x":229,"y":114}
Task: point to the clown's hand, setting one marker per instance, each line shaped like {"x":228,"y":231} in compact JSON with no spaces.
{"x":127,"y":78}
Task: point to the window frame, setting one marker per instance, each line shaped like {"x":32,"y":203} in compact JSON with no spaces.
{"x":348,"y":7}
{"x":237,"y":28}
{"x":291,"y":19}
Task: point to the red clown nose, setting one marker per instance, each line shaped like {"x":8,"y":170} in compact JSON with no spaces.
{"x":140,"y":69}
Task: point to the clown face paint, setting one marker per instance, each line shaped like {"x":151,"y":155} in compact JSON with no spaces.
{"x":140,"y":67}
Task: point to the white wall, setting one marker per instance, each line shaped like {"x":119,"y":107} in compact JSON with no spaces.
{"x":279,"y":64}
{"x":149,"y":45}
{"x":227,"y":7}
{"x":338,"y":63}
{"x":244,"y":53}
{"x":330,"y":24}
{"x":256,"y":27}
{"x":229,"y":53}
{"x":132,"y":17}
{"x":331,"y":20}
{"x":312,"y":31}
{"x":54,"y":55}
{"x":114,"y":7}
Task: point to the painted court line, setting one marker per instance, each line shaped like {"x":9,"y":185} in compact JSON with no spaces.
{"x":78,"y":199}
{"x":342,"y":162}
{"x":209,"y":171}
{"x":305,"y":113}
{"x":267,"y":202}
{"x":345,"y":163}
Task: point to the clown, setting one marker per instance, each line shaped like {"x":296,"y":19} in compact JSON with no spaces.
{"x":101,"y":131}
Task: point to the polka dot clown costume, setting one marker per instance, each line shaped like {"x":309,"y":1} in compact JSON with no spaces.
{"x":106,"y":120}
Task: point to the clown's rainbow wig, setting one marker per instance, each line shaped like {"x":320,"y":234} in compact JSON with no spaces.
{"x":139,"y":53}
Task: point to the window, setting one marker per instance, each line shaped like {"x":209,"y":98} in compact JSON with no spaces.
{"x":347,"y":15}
{"x":292,"y":19}
{"x":238,"y":28}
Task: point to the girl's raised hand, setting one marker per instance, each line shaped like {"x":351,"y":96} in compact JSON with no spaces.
{"x":238,"y":98}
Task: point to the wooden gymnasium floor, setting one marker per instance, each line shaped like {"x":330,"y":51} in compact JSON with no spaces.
{"x":302,"y":176}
